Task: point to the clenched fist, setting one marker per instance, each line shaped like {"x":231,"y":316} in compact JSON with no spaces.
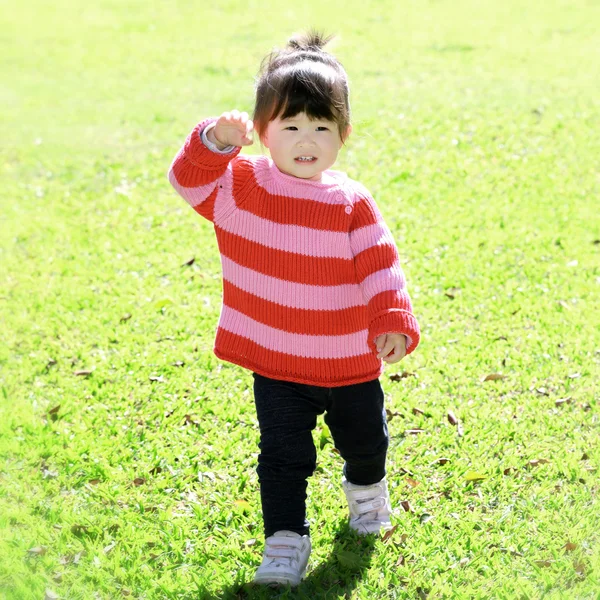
{"x":232,"y":129}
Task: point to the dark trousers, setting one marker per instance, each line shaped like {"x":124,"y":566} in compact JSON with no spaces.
{"x":287,"y":414}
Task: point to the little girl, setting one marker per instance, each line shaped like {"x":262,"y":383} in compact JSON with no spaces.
{"x":313,"y":293}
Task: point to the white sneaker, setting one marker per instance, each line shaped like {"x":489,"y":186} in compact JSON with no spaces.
{"x":369,"y":505}
{"x":284,"y":559}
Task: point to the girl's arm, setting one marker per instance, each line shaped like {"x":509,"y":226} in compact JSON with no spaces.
{"x":380,"y":275}
{"x":203,"y":177}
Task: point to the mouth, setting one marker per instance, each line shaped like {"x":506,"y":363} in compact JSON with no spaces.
{"x":305,"y":159}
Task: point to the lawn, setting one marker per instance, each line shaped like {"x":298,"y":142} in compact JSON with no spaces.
{"x":128,"y":450}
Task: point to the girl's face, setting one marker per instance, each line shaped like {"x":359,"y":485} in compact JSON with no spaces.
{"x":301,"y":147}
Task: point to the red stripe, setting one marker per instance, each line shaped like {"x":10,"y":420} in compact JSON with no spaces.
{"x":332,"y":372}
{"x":296,"y":320}
{"x":288,"y":266}
{"x":389,"y":299}
{"x":207,"y":207}
{"x":374,"y":259}
{"x":285,"y":210}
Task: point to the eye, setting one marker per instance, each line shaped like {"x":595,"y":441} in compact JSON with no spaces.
{"x":323,"y":128}
{"x":292,"y":128}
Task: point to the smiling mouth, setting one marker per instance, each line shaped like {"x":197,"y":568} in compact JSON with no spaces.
{"x":305,"y":159}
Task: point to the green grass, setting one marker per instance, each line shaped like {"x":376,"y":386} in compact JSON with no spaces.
{"x":476,"y":129}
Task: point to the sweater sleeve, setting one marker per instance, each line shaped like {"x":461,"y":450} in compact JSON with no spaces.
{"x":200,"y":175}
{"x":380,"y":275}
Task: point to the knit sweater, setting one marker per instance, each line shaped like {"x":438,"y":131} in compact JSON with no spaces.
{"x":311,"y":275}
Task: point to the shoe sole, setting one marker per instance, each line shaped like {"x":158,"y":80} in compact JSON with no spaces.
{"x":274,"y":582}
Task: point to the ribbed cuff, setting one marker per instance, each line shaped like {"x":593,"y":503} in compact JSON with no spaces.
{"x":198,"y":154}
{"x":396,"y":321}
{"x":210,"y":145}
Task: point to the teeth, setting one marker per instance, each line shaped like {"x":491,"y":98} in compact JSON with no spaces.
{"x":305,"y":158}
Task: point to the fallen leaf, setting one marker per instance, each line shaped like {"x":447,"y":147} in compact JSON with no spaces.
{"x":54,"y":410}
{"x":579,"y":568}
{"x":405,"y":504}
{"x":125,"y":317}
{"x":574,"y":376}
{"x":452,"y":292}
{"x":452,"y":418}
{"x":50,"y":595}
{"x":417,"y":411}
{"x":562,"y":401}
{"x":159,"y":379}
{"x":413,"y":431}
{"x":83,"y":372}
{"x":441,"y":461}
{"x":502,"y":337}
{"x":391,"y":415}
{"x":179,"y":363}
{"x":542,"y":390}
{"x":584,"y":456}
{"x":411,"y":482}
{"x":189,"y":419}
{"x":403,"y":375}
{"x":569,"y":547}
{"x":543,"y":563}
{"x":38,"y":550}
{"x":494,"y":377}
{"x":139,"y":481}
{"x":400,"y":561}
{"x":189,"y":263}
{"x":388,"y":534}
{"x":425,"y":517}
{"x":250,"y":542}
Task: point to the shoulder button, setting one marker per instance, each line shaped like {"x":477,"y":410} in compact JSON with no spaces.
{"x":348,"y":209}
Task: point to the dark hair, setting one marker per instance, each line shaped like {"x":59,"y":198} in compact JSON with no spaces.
{"x":302,"y":78}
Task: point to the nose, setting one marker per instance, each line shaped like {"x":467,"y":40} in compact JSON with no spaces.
{"x":306,"y":139}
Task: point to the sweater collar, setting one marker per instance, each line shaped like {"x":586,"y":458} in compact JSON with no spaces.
{"x":329,"y":178}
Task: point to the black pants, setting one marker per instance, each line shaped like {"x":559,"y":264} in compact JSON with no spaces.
{"x":287,"y":414}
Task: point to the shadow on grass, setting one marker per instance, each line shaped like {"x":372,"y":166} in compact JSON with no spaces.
{"x":346,"y":565}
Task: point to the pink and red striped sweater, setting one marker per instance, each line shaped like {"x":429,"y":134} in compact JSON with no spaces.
{"x":311,"y":274}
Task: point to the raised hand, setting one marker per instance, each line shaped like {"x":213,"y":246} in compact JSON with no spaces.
{"x":232,"y":129}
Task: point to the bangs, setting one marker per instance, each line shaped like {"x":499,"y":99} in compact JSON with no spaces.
{"x":299,"y":94}
{"x":314,"y":88}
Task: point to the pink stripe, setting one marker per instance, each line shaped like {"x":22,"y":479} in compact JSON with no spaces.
{"x":370,"y":235}
{"x":287,"y":293}
{"x":291,"y":238}
{"x":383,"y":281}
{"x":294,"y":344}
{"x":194,"y":195}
